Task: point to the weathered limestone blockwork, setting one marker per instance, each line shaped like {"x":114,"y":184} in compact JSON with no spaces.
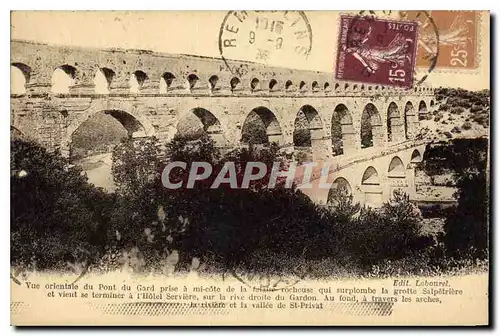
{"x":174,"y":86}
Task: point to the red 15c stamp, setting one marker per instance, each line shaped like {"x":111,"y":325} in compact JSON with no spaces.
{"x":377,"y":51}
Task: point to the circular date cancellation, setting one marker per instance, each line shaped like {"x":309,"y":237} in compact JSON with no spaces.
{"x":265,"y":37}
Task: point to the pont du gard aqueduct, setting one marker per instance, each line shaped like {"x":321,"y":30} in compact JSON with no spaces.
{"x":149,"y":93}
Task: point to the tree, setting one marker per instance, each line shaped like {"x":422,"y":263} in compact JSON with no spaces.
{"x":57,"y":217}
{"x":466,"y":228}
{"x":136,"y":162}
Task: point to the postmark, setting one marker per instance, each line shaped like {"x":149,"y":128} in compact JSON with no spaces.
{"x":457,"y":43}
{"x":378,"y":51}
{"x":265,"y":37}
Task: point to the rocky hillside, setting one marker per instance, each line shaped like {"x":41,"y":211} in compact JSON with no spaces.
{"x":459,"y":114}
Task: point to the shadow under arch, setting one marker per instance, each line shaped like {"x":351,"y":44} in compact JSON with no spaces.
{"x":396,"y":168}
{"x":416,"y":156}
{"x":199,"y":121}
{"x":261,"y":127}
{"x":411,"y":119}
{"x":371,"y":133}
{"x":133,"y":120}
{"x":308,"y":126}
{"x":395,"y":123}
{"x":370,"y":177}
{"x":342,"y":131}
{"x":340,"y":189}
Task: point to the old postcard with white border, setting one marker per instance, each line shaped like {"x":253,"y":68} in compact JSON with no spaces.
{"x":250,"y":167}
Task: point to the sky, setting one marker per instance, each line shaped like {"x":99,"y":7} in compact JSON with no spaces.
{"x":197,"y":33}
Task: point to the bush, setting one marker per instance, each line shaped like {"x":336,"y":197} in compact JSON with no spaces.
{"x":466,"y":229}
{"x":391,"y":233}
{"x":476,"y":108}
{"x":457,"y":110}
{"x":467,"y":125}
{"x":57,"y":217}
{"x":456,"y":129}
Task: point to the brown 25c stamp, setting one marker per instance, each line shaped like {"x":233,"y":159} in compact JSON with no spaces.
{"x":377,"y":51}
{"x":456,"y":39}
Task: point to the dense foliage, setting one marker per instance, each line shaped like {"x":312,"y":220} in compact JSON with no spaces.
{"x":59,"y":218}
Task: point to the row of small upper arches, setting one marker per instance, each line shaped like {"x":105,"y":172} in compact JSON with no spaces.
{"x":64,"y":77}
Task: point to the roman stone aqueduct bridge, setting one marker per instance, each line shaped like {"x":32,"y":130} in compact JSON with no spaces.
{"x":58,"y":88}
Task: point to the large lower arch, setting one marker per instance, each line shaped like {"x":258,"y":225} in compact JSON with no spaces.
{"x":308,"y":132}
{"x":261,"y":127}
{"x":343,"y":133}
{"x":395,"y":124}
{"x":411,"y":121}
{"x":132,"y":119}
{"x":340,"y":189}
{"x":372,"y":133}
{"x":201,"y":121}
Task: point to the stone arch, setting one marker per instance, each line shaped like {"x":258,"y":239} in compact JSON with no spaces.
{"x":308,"y":127}
{"x":137,"y":80}
{"x":422,"y":107}
{"x":411,"y":120}
{"x":432,"y":102}
{"x":166,"y":82}
{"x":132,"y":119}
{"x":342,"y":131}
{"x":326,"y":86}
{"x":192,"y":125}
{"x":103,"y":79}
{"x":371,"y":134}
{"x":395,"y":123}
{"x":17,"y":134}
{"x":135,"y":126}
{"x":302,"y":85}
{"x":63,"y":78}
{"x":346,"y":86}
{"x":272,"y":84}
{"x":314,"y":86}
{"x":192,"y":80}
{"x":261,"y":127}
{"x":416,"y":156}
{"x":340,"y":188}
{"x":396,"y":168}
{"x":371,"y":187}
{"x":370,"y":177}
{"x":19,"y":78}
{"x":255,"y":85}
{"x":288,"y":84}
{"x":234,"y":83}
{"x":212,"y":82}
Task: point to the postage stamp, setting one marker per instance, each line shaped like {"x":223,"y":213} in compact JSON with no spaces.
{"x":457,"y":39}
{"x":378,"y":51}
